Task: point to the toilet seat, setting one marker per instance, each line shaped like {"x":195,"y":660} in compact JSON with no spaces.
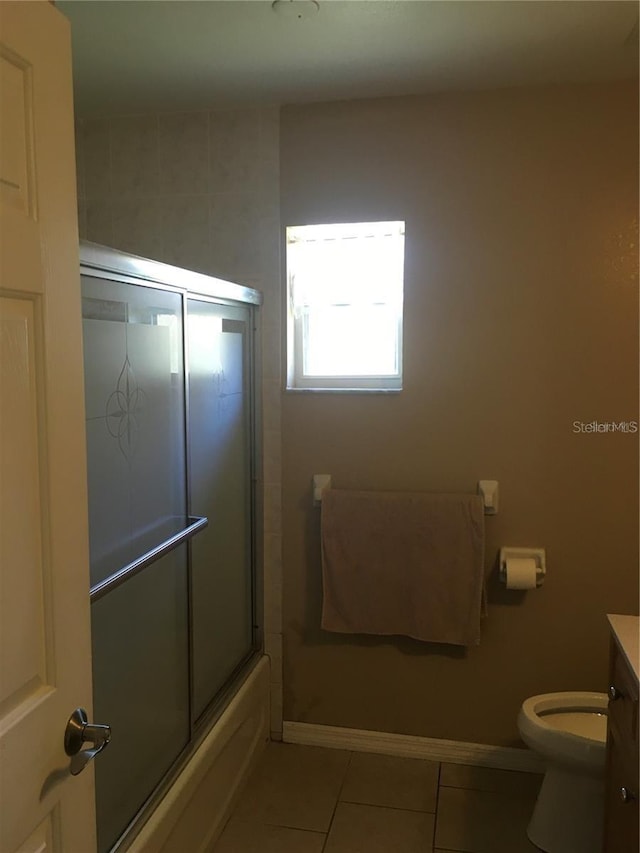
{"x":569,"y":727}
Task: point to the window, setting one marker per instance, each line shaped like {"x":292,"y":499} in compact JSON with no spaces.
{"x":345,"y":287}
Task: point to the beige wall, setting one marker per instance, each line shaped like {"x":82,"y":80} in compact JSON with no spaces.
{"x":201,"y":190}
{"x":521,"y":317}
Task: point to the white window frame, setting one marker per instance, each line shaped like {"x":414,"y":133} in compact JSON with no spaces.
{"x":297,"y":380}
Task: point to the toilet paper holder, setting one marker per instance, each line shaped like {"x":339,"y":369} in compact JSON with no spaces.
{"x":537,"y":554}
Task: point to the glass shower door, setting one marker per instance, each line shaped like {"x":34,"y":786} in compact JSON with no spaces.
{"x":173,"y":617}
{"x":220,"y":477}
{"x":135,"y":407}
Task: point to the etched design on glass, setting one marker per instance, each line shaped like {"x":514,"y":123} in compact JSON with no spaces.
{"x":123,"y":408}
{"x":221,"y":384}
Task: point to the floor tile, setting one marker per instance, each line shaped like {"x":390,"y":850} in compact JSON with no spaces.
{"x":372,"y":829}
{"x":483,"y":821}
{"x":384,"y":780}
{"x":294,"y":786}
{"x":490,"y":779}
{"x":242,"y":837}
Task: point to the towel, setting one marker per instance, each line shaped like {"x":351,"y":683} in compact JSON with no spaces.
{"x":403,"y":563}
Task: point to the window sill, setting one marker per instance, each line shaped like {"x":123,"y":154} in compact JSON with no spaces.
{"x":343,"y":390}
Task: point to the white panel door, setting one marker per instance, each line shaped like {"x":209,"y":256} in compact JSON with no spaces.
{"x":45,"y":646}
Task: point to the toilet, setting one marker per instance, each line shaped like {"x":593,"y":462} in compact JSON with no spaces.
{"x":569,"y":731}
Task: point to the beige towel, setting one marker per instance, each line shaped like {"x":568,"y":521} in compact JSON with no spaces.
{"x":403,"y":563}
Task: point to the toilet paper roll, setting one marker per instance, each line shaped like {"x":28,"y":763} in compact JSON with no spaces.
{"x":520,"y":573}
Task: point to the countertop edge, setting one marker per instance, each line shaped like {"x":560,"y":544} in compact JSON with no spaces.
{"x":626,"y":632}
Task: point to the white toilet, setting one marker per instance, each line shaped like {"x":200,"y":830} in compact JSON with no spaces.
{"x":569,"y":731}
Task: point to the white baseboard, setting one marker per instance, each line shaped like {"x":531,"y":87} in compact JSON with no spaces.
{"x":410,"y":746}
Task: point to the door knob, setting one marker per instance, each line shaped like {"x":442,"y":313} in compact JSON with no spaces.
{"x":80,"y":731}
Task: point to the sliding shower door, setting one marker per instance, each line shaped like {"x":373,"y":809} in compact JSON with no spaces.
{"x":135,"y":407}
{"x":170,"y":445}
{"x":218,"y":338}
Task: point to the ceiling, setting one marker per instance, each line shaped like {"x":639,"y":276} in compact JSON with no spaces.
{"x":144,"y":55}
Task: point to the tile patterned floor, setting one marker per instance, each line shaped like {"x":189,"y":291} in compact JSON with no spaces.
{"x":304,"y":799}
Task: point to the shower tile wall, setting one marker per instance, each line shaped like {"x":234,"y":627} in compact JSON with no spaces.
{"x":201,"y":190}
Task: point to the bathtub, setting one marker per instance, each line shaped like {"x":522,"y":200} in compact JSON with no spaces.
{"x":192,"y":814}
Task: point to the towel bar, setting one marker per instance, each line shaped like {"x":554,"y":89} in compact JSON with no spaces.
{"x":487,"y":489}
